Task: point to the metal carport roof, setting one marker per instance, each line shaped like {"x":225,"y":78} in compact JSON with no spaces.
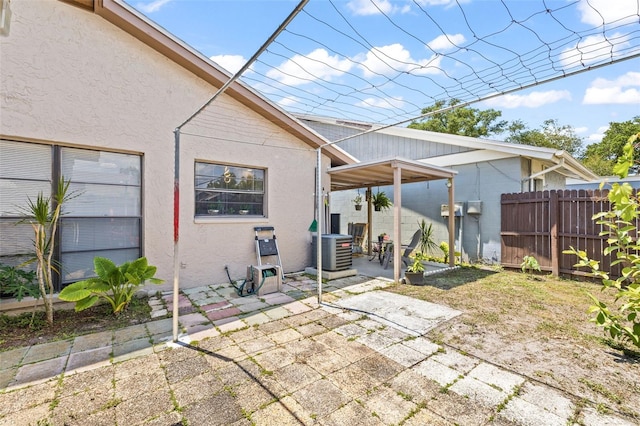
{"x":381,"y":173}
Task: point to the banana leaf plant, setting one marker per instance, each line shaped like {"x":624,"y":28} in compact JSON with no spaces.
{"x":115,"y":284}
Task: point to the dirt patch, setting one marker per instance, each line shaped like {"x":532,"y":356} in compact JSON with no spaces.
{"x":536,"y":326}
{"x":17,"y":332}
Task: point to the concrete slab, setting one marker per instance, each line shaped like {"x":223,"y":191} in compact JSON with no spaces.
{"x":90,"y":357}
{"x":456,"y":360}
{"x":422,"y":345}
{"x":496,"y":377}
{"x":403,"y":355}
{"x":47,"y":351}
{"x":92,"y":341}
{"x":437,"y":372}
{"x":547,"y":398}
{"x":479,"y":392}
{"x":12,"y":358}
{"x":591,"y":417}
{"x":412,"y":316}
{"x":524,"y":413}
{"x":36,"y":372}
{"x":332,"y":275}
{"x":130,"y":333}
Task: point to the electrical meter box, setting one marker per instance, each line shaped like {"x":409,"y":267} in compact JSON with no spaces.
{"x":444,"y":210}
{"x":266,"y":278}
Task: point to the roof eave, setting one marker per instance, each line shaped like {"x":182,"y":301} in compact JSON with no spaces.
{"x":132,"y":22}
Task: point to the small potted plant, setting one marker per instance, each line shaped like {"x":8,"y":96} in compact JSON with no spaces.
{"x":358,"y":202}
{"x":415,"y":272}
{"x":380,"y":201}
{"x":214,"y":209}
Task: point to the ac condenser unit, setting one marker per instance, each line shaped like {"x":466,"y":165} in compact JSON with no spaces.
{"x":336,"y":252}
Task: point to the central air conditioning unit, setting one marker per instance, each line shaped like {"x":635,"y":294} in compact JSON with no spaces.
{"x":336,"y":252}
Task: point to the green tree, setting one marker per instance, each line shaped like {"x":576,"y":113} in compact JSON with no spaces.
{"x":621,"y":319}
{"x":462,"y":121}
{"x":550,"y":135}
{"x":601,"y":157}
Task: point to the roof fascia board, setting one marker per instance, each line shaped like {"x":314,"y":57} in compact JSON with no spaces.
{"x":506,"y":148}
{"x":575,"y":166}
{"x":434,"y":171}
{"x":129,"y":20}
{"x":469,"y":142}
{"x":470,"y":157}
{"x":447,"y":139}
{"x":85,"y":4}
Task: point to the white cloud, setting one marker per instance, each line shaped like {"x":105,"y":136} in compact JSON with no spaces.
{"x":154,"y":6}
{"x":303,"y":69}
{"x":443,"y":43}
{"x":368,"y":7}
{"x":580,"y":130}
{"x":439,"y":2}
{"x":288,"y":101}
{"x":618,"y":91}
{"x":598,"y":135}
{"x":593,"y":49}
{"x":231,"y":63}
{"x":594,"y":12}
{"x":531,"y":100}
{"x":394,"y":58}
{"x":388,"y":103}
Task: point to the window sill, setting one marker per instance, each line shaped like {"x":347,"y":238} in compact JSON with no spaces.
{"x":230,"y":219}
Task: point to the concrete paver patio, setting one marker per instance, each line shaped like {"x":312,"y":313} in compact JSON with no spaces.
{"x":361,"y":358}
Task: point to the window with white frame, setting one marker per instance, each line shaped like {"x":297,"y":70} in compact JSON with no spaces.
{"x":228,"y":190}
{"x":102,"y":218}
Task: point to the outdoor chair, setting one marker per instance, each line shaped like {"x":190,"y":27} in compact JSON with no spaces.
{"x":408,"y":249}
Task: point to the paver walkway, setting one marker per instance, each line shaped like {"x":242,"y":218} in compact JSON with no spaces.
{"x":360,"y":359}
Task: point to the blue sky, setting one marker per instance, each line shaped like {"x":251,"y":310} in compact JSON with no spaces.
{"x":383,"y":60}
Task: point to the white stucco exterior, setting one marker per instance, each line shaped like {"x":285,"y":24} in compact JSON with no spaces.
{"x":69,"y":77}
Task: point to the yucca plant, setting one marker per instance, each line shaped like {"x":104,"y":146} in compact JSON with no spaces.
{"x":427,"y":243}
{"x":44,"y":214}
{"x":115,"y":284}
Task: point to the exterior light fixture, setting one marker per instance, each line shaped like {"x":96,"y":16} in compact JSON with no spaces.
{"x":448,"y":184}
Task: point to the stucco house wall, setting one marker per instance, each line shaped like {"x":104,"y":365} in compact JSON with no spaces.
{"x":71,"y":78}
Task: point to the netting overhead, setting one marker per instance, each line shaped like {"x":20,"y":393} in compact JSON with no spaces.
{"x":384,"y":62}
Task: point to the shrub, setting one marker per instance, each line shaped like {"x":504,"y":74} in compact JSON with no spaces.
{"x":115,"y":284}
{"x":18,"y":283}
{"x":444,"y":246}
{"x":622,"y":319}
{"x":530,"y":264}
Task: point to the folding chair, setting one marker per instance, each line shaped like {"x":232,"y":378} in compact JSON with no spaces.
{"x":408,"y":249}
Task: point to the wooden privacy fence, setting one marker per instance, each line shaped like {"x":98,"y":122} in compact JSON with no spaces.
{"x":544,"y":223}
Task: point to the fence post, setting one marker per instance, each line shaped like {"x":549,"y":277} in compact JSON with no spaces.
{"x":553,"y":234}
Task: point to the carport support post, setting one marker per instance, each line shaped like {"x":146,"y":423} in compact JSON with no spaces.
{"x":397,"y":213}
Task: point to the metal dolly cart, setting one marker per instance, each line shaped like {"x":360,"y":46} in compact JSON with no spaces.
{"x":267,"y":245}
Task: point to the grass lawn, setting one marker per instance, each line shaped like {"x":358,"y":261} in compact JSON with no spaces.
{"x":536,"y":325}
